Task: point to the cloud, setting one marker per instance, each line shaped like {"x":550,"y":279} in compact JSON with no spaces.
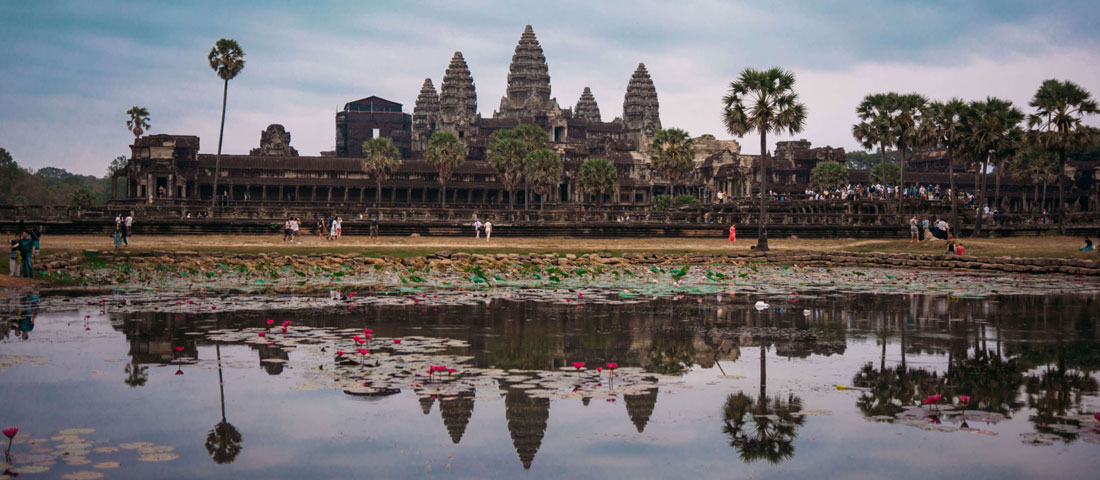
{"x":72,"y":69}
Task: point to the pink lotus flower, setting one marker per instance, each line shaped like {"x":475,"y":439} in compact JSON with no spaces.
{"x":179,"y":349}
{"x":363,"y":351}
{"x":355,"y":337}
{"x":339,"y":353}
{"x":965,"y":399}
{"x":284,"y":329}
{"x":213,"y":307}
{"x":368,"y":336}
{"x":270,"y":322}
{"x":360,"y":341}
{"x":599,"y":369}
{"x":578,"y":365}
{"x":11,"y":432}
{"x":397,"y":340}
{"x":450,"y":371}
{"x":612,"y":366}
{"x":179,"y":371}
{"x":1096,"y":416}
{"x":368,"y":332}
{"x":263,"y":334}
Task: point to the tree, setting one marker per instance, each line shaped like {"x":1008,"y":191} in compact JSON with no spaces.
{"x":1060,"y":110}
{"x":942,"y":126}
{"x":506,"y":154}
{"x":544,"y":172}
{"x":909,"y":108}
{"x":827,"y":175}
{"x":673,"y":154}
{"x":380,"y":159}
{"x":598,"y":177}
{"x":1038,"y":165}
{"x":227,"y":60}
{"x":117,"y":165}
{"x":82,"y":197}
{"x":876,"y":127}
{"x":763,"y":101}
{"x":534,"y":138}
{"x":223,"y":442}
{"x":139,"y":120}
{"x":893,"y":174}
{"x":53,"y":173}
{"x":136,"y":375}
{"x":445,"y":153}
{"x":992,"y":134}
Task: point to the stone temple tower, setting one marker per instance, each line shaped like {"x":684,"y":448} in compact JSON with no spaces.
{"x":528,"y":93}
{"x":425,"y":116}
{"x":640,"y":108}
{"x":457,"y":98}
{"x":586,"y":108}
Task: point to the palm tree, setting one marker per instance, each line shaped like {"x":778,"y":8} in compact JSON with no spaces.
{"x":876,"y":127}
{"x":445,"y":153}
{"x":139,"y":120}
{"x":136,"y":375}
{"x":1060,"y":109}
{"x":942,"y":126}
{"x":227,"y":60}
{"x":598,"y":177}
{"x":380,"y":159}
{"x":544,"y":172}
{"x":672,"y":154}
{"x":763,"y":101}
{"x":992,"y":134}
{"x":534,"y":138}
{"x":506,"y":154}
{"x":909,"y":108}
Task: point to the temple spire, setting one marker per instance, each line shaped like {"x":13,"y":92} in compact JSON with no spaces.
{"x":640,"y":106}
{"x":425,"y":116}
{"x":457,"y":95}
{"x":586,"y":108}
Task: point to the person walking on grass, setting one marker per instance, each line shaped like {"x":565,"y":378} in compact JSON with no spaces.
{"x":374,"y":228}
{"x":477,"y":228}
{"x":913,"y":232}
{"x":13,"y":262}
{"x":129,"y":223}
{"x":488,"y":229}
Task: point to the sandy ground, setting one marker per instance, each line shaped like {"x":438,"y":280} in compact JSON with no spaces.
{"x":1055,"y":247}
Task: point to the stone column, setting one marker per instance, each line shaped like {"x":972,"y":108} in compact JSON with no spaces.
{"x":149,"y":185}
{"x":329,"y":199}
{"x":345,"y":194}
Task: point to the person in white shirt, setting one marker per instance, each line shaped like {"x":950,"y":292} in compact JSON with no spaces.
{"x":477,"y":228}
{"x":488,"y":230}
{"x":129,"y":223}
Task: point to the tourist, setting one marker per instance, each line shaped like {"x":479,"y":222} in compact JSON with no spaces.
{"x":26,"y":250}
{"x":950,"y":249}
{"x":118,"y":221}
{"x":913,"y":230}
{"x":117,"y":236}
{"x":321,"y":228}
{"x":959,"y":249}
{"x":334,"y":229}
{"x":286,"y":230}
{"x":374,"y":228}
{"x":13,"y":263}
{"x":924,"y":232}
{"x":1088,"y":245}
{"x":488,"y":229}
{"x":733,"y":233}
{"x":36,"y":236}
{"x":477,"y":228}
{"x":339,"y":226}
{"x":128,"y":222}
{"x":295,"y":226}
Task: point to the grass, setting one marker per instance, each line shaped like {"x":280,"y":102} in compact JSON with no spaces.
{"x":1046,"y":246}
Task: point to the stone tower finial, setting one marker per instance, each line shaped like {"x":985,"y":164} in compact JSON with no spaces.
{"x":528,"y":74}
{"x":425,"y":116}
{"x":586,"y":108}
{"x":457,"y":95}
{"x":274,"y":142}
{"x":640,"y":106}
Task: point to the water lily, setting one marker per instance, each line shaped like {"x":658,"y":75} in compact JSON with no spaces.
{"x":179,"y":370}
{"x":397,"y":340}
{"x":263,"y":334}
{"x":270,"y":322}
{"x":578,"y":365}
{"x":339,"y":353}
{"x":964,"y":399}
{"x":179,"y":349}
{"x":9,"y":432}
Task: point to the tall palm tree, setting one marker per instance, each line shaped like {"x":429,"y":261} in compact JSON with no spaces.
{"x":673,"y":154}
{"x":909,"y":107}
{"x":942,"y":126}
{"x":227,"y":60}
{"x":139,"y":120}
{"x":876,"y":128}
{"x":534,"y":138}
{"x":598,"y":177}
{"x":993,"y":133}
{"x":544,"y":171}
{"x":445,"y":153}
{"x":506,"y":154}
{"x":763,"y":101}
{"x":1060,"y":110}
{"x":380,"y":159}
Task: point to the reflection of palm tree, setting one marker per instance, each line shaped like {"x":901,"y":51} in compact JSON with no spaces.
{"x":223,"y":443}
{"x":136,"y":375}
{"x":762,"y":429}
{"x":890,"y":390}
{"x":992,"y":382}
{"x":1057,"y":393}
{"x":774,"y":422}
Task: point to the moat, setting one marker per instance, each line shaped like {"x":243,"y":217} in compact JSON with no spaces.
{"x":715,"y":385}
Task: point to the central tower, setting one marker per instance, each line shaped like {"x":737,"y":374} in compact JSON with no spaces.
{"x":528,"y":93}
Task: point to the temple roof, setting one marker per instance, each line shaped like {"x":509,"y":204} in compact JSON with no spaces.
{"x":586,"y":107}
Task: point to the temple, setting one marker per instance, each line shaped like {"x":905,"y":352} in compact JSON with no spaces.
{"x":168,"y":170}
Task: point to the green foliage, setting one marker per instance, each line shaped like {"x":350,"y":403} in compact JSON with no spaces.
{"x":598,"y":177}
{"x":49,"y":186}
{"x":673,"y":153}
{"x":662,"y":202}
{"x":683,"y":200}
{"x":139,"y":120}
{"x":226,"y":58}
{"x":83,"y":197}
{"x":380,"y":158}
{"x":533,"y":136}
{"x":829,"y":175}
{"x":506,"y":153}
{"x":445,"y":153}
{"x":863,"y":160}
{"x":893,"y":174}
{"x":543,"y":171}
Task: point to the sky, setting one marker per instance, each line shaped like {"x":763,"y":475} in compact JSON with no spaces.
{"x":70,"y":70}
